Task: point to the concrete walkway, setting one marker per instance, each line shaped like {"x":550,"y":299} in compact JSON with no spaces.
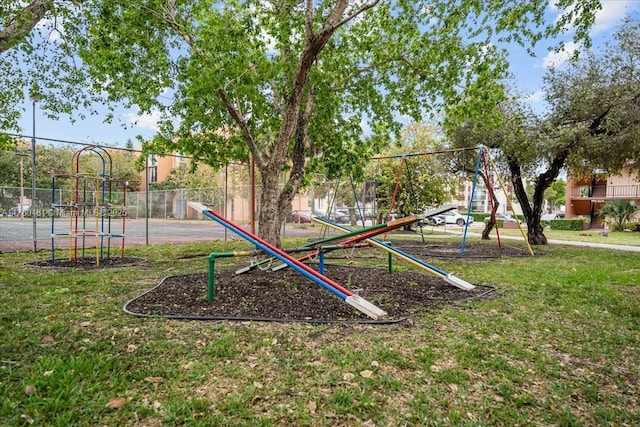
{"x":628,"y":248}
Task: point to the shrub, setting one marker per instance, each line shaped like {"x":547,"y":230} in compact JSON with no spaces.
{"x":575,"y":224}
{"x":631,"y":226}
{"x":617,"y":213}
{"x":480,"y":216}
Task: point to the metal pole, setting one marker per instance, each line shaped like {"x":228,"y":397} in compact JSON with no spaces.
{"x":21,"y":186}
{"x":146,"y":202}
{"x":252,"y":197}
{"x":33,"y":176}
{"x":226,"y":197}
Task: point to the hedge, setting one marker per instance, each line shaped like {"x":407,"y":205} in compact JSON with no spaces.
{"x":500,"y":222}
{"x":484,"y":216}
{"x":575,"y":224}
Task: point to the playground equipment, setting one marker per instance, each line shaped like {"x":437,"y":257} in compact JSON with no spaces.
{"x":354,"y":236}
{"x":350,"y":239}
{"x":91,"y":196}
{"x":447,"y":277}
{"x":346,"y":295}
{"x":482,"y":162}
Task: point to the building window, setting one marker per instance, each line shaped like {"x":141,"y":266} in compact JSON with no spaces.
{"x":153,"y":174}
{"x":152,"y":165}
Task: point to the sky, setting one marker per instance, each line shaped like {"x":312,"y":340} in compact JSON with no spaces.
{"x":528,"y":72}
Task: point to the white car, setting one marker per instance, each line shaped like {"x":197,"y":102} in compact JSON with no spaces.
{"x":546,"y":218}
{"x":453,"y":217}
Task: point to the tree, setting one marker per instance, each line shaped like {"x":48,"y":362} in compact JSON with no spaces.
{"x":421,"y":180}
{"x":593,"y":123}
{"x":618,"y":212}
{"x":290,"y":84}
{"x":35,"y":51}
{"x":555,"y":195}
{"x":18,"y":20}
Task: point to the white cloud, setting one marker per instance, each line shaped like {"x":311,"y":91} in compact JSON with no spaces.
{"x":608,"y":16}
{"x":612,"y":12}
{"x":146,"y":120}
{"x":555,"y":59}
{"x":535,"y":96}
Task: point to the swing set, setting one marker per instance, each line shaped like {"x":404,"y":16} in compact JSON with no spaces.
{"x":483,"y":165}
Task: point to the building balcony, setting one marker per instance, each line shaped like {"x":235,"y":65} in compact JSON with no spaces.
{"x":606,"y":192}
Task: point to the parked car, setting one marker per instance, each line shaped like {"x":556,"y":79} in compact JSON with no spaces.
{"x":299,"y":217}
{"x":339,"y":217}
{"x":506,"y":218}
{"x":546,"y":218}
{"x":453,"y":217}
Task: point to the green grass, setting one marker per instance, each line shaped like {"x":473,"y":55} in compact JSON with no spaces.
{"x":558,"y":345}
{"x":591,"y":236}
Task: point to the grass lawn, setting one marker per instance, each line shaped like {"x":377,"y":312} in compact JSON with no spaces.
{"x":591,"y":236}
{"x":558,"y":345}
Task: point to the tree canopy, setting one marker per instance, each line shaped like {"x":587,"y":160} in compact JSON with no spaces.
{"x":296,"y":85}
{"x":593,"y":123}
{"x":411,"y":184}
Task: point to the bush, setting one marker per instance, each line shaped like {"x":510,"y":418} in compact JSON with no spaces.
{"x":499,"y":222}
{"x":618,"y":213}
{"x":483,"y":216}
{"x":631,"y":226}
{"x":480,"y":216}
{"x":575,"y":224}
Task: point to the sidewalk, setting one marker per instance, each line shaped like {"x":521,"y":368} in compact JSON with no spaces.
{"x":627,"y":248}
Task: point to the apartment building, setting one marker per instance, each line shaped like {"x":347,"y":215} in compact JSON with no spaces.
{"x":586,"y":196}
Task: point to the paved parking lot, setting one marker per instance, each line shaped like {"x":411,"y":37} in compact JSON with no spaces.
{"x":16,"y":234}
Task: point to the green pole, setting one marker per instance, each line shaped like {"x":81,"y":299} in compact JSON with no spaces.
{"x":390,"y":262}
{"x":211,"y":290}
{"x":210,"y":286}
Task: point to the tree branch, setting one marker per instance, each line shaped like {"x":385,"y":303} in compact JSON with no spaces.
{"x":168,"y":15}
{"x":308,"y":24}
{"x":362,"y":9}
{"x":359,"y":71}
{"x":298,"y":156}
{"x":24,"y":21}
{"x":240,"y":121}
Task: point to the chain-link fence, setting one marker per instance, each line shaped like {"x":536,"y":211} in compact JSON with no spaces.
{"x":157,"y":215}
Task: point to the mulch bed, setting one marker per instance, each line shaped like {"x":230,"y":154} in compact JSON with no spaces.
{"x":286,"y":295}
{"x":89,"y":262}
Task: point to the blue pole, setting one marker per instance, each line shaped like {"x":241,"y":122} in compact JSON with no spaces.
{"x":53,"y":218}
{"x":473,"y":190}
{"x":268,"y":249}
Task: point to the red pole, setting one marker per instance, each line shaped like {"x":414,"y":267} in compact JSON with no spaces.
{"x":395,"y":190}
{"x":252,"y":196}
{"x":491,"y":197}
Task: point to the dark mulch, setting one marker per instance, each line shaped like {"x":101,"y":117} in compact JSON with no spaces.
{"x":89,"y":262}
{"x":285,"y":295}
{"x":489,"y":249}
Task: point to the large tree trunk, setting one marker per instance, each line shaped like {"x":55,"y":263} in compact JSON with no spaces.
{"x":535,"y":234}
{"x":532,"y":211}
{"x":269,"y":226}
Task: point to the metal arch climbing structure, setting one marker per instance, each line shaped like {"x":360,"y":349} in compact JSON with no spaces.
{"x":90,"y":195}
